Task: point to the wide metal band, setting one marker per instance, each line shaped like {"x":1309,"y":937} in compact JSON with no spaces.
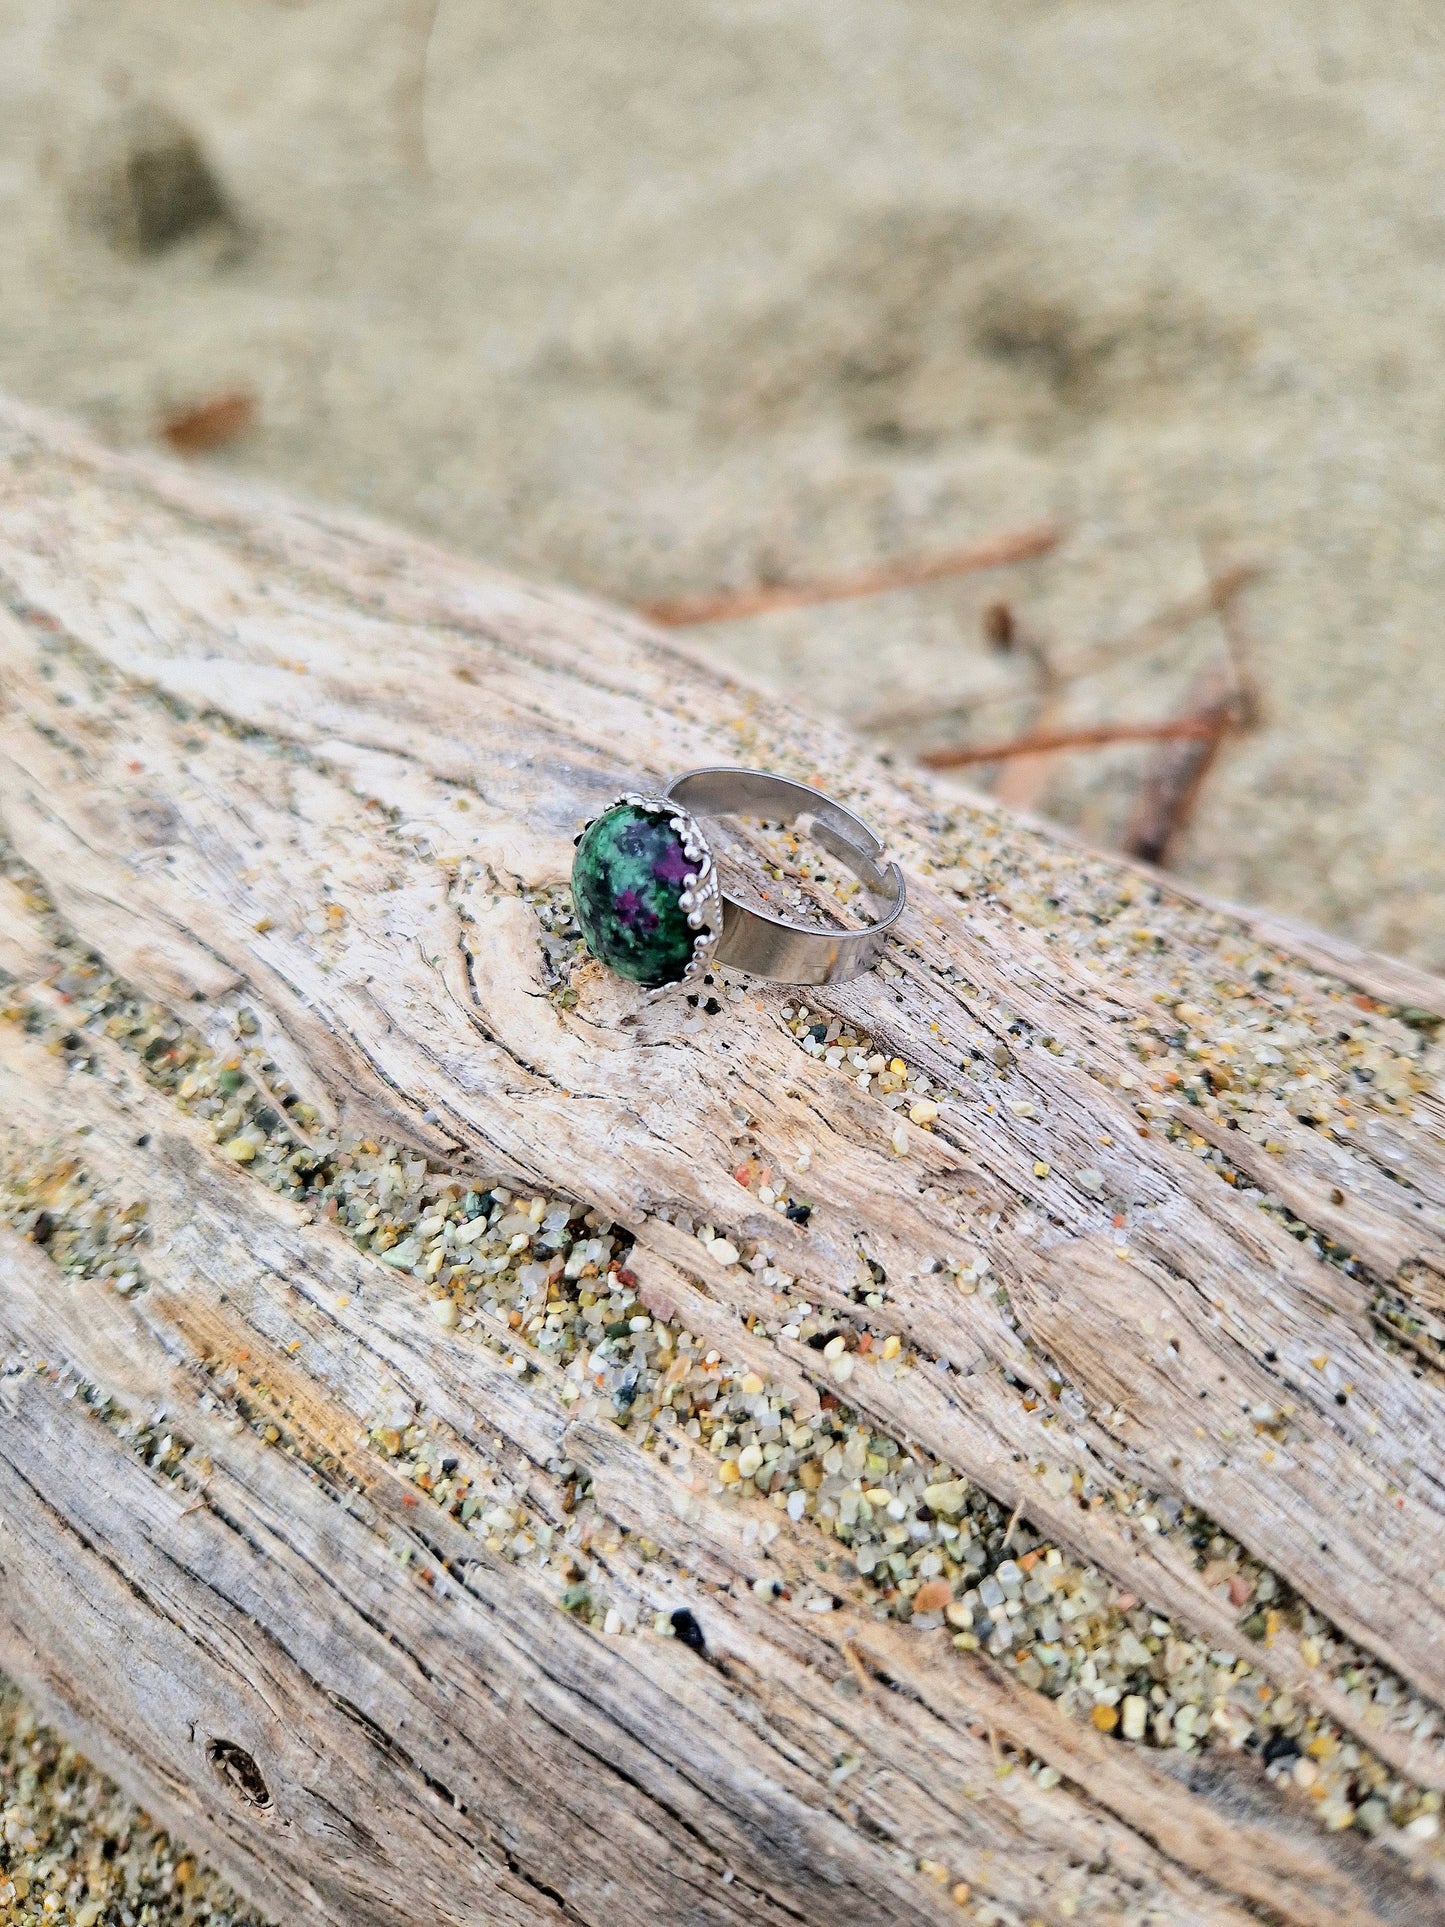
{"x":771,"y":947}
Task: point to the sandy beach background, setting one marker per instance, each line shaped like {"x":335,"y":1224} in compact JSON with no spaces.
{"x":662,"y":296}
{"x":667,"y":295}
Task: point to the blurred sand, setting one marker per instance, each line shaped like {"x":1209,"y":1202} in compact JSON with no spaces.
{"x":687,"y":293}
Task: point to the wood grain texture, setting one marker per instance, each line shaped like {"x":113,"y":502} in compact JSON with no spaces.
{"x":293,"y":796}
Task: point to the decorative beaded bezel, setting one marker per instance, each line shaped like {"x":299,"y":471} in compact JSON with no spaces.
{"x":700,"y":898}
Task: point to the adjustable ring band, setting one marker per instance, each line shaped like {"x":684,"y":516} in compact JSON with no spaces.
{"x":770,"y":946}
{"x":647,"y":896}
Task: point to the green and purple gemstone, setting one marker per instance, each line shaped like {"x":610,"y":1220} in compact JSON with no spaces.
{"x":629,"y":878}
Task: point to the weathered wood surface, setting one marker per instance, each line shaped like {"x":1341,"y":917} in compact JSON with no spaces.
{"x":286,"y":802}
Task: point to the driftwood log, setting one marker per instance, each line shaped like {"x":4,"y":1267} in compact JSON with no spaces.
{"x":479,"y":1447}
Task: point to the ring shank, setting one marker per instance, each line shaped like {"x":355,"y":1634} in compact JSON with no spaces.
{"x":771,"y":947}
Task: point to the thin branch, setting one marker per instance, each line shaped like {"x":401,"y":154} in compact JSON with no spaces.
{"x":1044,"y":742}
{"x":1024,"y":778}
{"x":1215,"y":598}
{"x":209,"y":424}
{"x":1175,"y":779}
{"x":1019,"y":545}
{"x":1239,"y":646}
{"x":1172,"y":788}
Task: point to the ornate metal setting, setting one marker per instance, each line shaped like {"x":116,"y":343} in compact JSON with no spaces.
{"x":701,"y":895}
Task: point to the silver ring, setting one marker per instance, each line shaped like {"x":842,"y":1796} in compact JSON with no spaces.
{"x":647,"y":898}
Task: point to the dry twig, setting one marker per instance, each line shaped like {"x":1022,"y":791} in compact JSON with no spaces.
{"x":1020,"y":545}
{"x":1217,"y":597}
{"x":209,"y":424}
{"x":1042,"y":742}
{"x":1004,"y":632}
{"x":1226,"y":697}
{"x":1022,"y":782}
